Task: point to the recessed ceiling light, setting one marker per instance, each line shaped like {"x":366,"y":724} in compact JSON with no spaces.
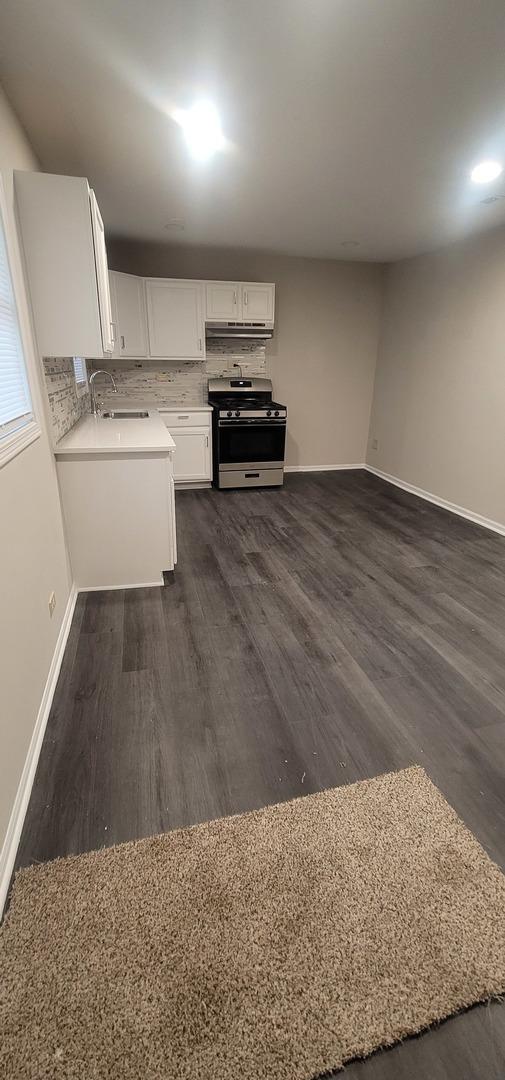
{"x":202,"y":129}
{"x":486,"y":171}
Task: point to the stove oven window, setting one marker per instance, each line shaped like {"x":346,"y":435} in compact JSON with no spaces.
{"x":251,"y":443}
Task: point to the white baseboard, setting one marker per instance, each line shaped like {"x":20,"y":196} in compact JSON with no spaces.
{"x":192,"y":485}
{"x":14,"y":828}
{"x":461,"y":511}
{"x":112,"y":588}
{"x":320,"y":468}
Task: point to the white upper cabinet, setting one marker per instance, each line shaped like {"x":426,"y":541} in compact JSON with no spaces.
{"x":102,"y":275}
{"x":66,"y":264}
{"x":129,"y":316}
{"x":258,"y":301}
{"x":239,"y":300}
{"x":222,"y":300}
{"x":175,"y":317}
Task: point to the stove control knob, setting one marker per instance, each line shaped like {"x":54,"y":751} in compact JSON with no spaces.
{"x":269,"y":412}
{"x":237,"y":412}
{"x":276,"y":413}
{"x":229,"y":413}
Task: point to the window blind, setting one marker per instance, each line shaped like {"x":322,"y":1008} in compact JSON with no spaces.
{"x":15,"y":401}
{"x":80,"y":370}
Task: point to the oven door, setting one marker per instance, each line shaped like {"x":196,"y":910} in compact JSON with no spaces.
{"x":251,"y":444}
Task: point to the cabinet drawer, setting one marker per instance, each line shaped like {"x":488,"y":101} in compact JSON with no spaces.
{"x":186,"y":418}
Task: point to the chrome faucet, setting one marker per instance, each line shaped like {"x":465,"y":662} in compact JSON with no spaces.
{"x":240,"y":370}
{"x":95,"y":407}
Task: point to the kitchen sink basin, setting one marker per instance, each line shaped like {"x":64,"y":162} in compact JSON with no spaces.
{"x":120,"y":414}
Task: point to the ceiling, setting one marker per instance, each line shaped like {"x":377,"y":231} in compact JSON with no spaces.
{"x":346,"y":120}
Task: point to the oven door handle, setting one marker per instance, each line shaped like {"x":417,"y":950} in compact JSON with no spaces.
{"x":281,"y":422}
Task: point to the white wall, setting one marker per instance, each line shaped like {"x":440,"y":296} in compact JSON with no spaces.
{"x":439,"y":401}
{"x":322,"y":358}
{"x":33,"y":559}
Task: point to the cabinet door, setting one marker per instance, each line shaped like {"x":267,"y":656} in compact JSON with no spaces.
{"x":175,"y":317}
{"x":171,"y":515}
{"x":222,"y":300}
{"x":131,"y":320}
{"x":102,"y":275}
{"x":258,"y":301}
{"x":54,"y":216}
{"x":113,"y":312}
{"x":192,"y":454}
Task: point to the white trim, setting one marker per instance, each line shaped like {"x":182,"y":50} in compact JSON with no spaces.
{"x":14,"y":441}
{"x":110,"y":588}
{"x":192,"y":485}
{"x":461,"y":511}
{"x":320,"y":468}
{"x":17,"y":442}
{"x":453,"y":508}
{"x":15,"y":826}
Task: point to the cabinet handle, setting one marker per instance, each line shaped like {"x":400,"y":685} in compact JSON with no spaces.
{"x":184,"y":417}
{"x":206,"y":440}
{"x":234,"y":298}
{"x":200,"y":344}
{"x":122,"y":341}
{"x":245,"y":297}
{"x":113,"y":332}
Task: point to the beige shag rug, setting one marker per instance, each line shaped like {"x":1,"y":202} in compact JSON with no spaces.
{"x":275,"y":945}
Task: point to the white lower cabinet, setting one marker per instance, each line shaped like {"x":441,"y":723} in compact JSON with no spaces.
{"x":119,"y":517}
{"x":192,"y":455}
{"x":191,"y":432}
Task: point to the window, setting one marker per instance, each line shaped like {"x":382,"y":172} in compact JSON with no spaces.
{"x":18,"y":426}
{"x":81,"y":375}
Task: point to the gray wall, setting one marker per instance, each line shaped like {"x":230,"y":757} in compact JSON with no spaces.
{"x":439,"y":401}
{"x":322,"y":359}
{"x":33,"y":558}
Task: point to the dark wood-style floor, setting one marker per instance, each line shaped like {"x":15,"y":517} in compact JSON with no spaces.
{"x":310,"y":637}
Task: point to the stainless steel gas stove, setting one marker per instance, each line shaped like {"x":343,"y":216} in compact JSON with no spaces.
{"x":249,"y":433}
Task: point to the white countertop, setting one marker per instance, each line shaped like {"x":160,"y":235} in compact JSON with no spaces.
{"x":185,"y":407}
{"x":94,"y":435}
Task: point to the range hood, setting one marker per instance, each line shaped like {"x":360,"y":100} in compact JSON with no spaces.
{"x":259,"y":331}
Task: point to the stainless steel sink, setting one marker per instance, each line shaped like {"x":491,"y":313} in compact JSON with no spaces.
{"x":124,"y":414}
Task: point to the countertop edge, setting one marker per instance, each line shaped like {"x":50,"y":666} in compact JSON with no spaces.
{"x":92,"y":436}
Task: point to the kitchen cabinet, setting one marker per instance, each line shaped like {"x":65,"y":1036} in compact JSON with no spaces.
{"x":117,"y":493}
{"x":65,"y":258}
{"x":102,"y":275}
{"x":119,"y":517}
{"x":192,"y":455}
{"x":129,"y":316}
{"x":239,"y":300}
{"x":175,"y":317}
{"x":191,"y":432}
{"x":222,"y":300}
{"x":258,"y":301}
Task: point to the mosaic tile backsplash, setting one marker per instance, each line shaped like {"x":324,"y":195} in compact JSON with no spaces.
{"x":157,"y":382}
{"x":65,"y":405}
{"x":183,"y":382}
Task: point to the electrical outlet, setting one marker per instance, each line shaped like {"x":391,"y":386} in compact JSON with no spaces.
{"x":375,"y":444}
{"x":52,"y":603}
